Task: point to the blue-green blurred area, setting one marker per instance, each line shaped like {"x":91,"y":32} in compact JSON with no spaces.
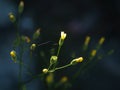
{"x":78,"y":18}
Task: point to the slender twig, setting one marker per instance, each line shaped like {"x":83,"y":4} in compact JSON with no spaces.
{"x":63,"y":67}
{"x":58,"y":50}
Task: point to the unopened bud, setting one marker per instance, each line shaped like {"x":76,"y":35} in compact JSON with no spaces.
{"x":45,"y":70}
{"x":13,"y":55}
{"x":101,"y":41}
{"x":63,"y":35}
{"x":21,"y":7}
{"x":36,"y":34}
{"x":77,"y":60}
{"x":87,"y":40}
{"x":50,"y":78}
{"x":93,"y":53}
{"x":32,"y":47}
{"x":64,"y":79}
{"x":12,"y":17}
{"x":62,"y":38}
{"x":80,"y":59}
{"x":53,"y":59}
{"x":26,"y":39}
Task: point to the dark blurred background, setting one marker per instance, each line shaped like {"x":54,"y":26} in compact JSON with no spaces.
{"x":78,"y":18}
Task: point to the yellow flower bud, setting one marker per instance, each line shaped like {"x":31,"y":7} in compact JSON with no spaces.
{"x":36,"y":34}
{"x":93,"y":53}
{"x":53,"y":59}
{"x":64,"y":79}
{"x":45,"y":70}
{"x":50,"y":78}
{"x":33,"y":46}
{"x":21,"y":7}
{"x":13,"y":53}
{"x":12,"y":17}
{"x":63,"y":35}
{"x":80,"y":59}
{"x":77,"y":60}
{"x":101,"y":41}
{"x":26,"y":39}
{"x":87,"y":40}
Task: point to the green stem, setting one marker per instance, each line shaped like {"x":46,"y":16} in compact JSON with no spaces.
{"x":49,"y":66}
{"x":57,"y":56}
{"x":26,"y":66}
{"x":34,"y":77}
{"x":79,"y":71}
{"x":63,"y":67}
{"x":21,"y":51}
{"x":58,"y":50}
{"x":52,"y":70}
{"x":20,"y":67}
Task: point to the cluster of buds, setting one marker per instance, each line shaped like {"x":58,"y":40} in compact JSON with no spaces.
{"x":20,"y":10}
{"x":54,"y":59}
